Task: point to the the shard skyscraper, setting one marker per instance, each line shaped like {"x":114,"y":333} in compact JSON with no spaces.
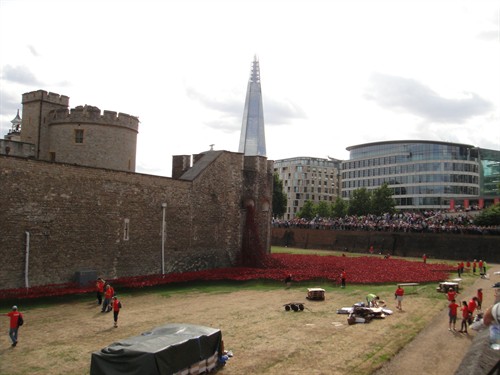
{"x":253,"y":139}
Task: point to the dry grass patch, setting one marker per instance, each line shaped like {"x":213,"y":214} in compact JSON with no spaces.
{"x":265,"y":339}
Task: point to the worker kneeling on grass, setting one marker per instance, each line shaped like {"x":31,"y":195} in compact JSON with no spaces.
{"x":372,"y":300}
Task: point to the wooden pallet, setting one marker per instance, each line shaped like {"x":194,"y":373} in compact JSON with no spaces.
{"x":316,"y":294}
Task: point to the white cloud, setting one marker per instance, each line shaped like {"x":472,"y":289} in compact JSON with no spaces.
{"x":409,"y":96}
{"x":19,"y":74}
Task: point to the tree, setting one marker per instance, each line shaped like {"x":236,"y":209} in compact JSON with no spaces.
{"x":279,"y":197}
{"x":323,"y":209}
{"x":308,"y":211}
{"x":489,"y":216}
{"x":382,"y":201}
{"x":359,"y":204}
{"x":339,"y":208}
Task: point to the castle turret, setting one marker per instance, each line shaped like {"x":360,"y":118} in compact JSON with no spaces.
{"x":14,"y":133}
{"x":82,"y":135}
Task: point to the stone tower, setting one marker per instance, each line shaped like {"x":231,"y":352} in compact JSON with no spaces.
{"x":81,"y":136}
{"x":253,"y":139}
{"x":35,"y":127}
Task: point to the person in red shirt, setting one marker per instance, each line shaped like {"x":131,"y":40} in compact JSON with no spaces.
{"x":399,"y":293}
{"x":480,"y":264}
{"x":451,"y":294}
{"x":452,"y":314}
{"x":14,"y":316}
{"x":99,"y":289}
{"x":109,"y":292}
{"x":117,"y":305}
{"x":342,"y":279}
{"x":479,"y":298}
{"x":465,"y":317}
{"x":472,"y":307}
{"x":424,"y":258}
{"x":474,"y":267}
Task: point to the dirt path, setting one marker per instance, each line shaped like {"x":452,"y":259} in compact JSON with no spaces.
{"x":435,"y":350}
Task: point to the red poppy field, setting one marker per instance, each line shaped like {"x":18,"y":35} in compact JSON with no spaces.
{"x":359,"y":270}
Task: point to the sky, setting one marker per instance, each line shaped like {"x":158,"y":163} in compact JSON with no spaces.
{"x":333,"y":73}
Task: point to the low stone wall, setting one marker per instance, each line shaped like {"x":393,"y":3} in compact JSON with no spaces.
{"x":435,"y":245}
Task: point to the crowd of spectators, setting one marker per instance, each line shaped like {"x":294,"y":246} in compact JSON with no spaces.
{"x":417,"y":222}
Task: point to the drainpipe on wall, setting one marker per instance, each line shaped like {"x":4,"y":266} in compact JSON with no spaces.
{"x":26,"y":268}
{"x":163,"y":206}
{"x":39,"y":130}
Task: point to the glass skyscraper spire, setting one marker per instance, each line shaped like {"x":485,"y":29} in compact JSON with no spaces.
{"x":253,"y":139}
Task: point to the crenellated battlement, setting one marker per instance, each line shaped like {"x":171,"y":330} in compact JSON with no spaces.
{"x":91,"y":114}
{"x":42,"y":95}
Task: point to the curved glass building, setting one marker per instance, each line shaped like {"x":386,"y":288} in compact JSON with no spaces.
{"x":421,"y":174}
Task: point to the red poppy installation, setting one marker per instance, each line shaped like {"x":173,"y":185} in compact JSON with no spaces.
{"x":360,"y":270}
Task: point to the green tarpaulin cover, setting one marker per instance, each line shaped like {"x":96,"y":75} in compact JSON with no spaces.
{"x":164,"y":350}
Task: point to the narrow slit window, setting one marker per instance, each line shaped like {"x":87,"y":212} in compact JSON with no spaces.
{"x":126,"y":229}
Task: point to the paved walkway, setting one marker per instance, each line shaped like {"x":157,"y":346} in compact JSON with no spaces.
{"x":435,"y":350}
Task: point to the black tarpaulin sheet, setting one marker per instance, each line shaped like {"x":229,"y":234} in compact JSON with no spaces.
{"x":163,"y":350}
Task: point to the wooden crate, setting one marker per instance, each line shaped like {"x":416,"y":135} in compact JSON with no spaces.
{"x":317,"y":294}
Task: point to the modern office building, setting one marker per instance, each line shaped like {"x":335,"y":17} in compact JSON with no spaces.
{"x":424,"y":174}
{"x":252,"y":138}
{"x":489,"y":169}
{"x":307,"y":178}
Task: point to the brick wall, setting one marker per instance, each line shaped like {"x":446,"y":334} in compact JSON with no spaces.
{"x":76,"y":219}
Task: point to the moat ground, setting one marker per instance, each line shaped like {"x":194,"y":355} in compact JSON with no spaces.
{"x":265,"y":339}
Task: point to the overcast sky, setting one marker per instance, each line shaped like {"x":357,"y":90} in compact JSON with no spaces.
{"x":334,"y":73}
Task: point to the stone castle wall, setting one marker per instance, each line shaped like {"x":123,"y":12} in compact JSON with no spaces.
{"x":435,"y":245}
{"x":15,"y":148}
{"x":81,"y":218}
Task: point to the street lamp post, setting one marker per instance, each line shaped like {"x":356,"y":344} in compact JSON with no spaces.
{"x":163,"y":206}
